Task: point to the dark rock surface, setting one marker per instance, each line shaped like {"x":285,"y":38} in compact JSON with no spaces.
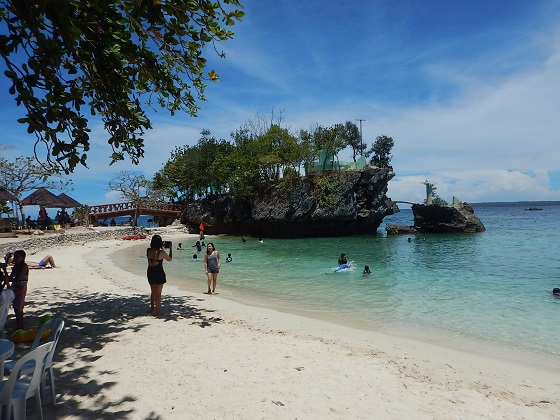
{"x":441,"y":219}
{"x":394,"y":229}
{"x":337,"y":204}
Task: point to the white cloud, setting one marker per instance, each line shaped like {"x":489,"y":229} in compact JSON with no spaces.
{"x":477,"y":186}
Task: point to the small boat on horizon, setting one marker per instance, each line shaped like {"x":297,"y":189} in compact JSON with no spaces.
{"x":532,"y":209}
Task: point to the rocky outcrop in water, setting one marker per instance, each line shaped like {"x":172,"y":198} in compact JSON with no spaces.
{"x":457,"y":217}
{"x":333,"y":204}
{"x":395,"y":229}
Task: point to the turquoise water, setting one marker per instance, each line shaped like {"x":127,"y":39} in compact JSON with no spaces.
{"x":492,"y":287}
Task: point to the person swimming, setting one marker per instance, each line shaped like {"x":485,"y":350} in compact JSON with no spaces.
{"x":342,"y":259}
{"x":366,"y":270}
{"x":195,"y":258}
{"x":229,"y":258}
{"x":556,"y":291}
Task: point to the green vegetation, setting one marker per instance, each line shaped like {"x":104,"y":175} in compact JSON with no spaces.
{"x":260,"y":154}
{"x":4,"y":208}
{"x":113,"y":58}
{"x":326,"y":190}
{"x":381,"y":152}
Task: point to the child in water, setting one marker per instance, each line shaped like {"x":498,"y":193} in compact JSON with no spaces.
{"x":229,"y":259}
{"x":366,"y":270}
{"x":195,"y":258}
{"x":556,"y":291}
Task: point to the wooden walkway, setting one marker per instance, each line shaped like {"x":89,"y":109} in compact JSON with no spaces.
{"x":108,"y":211}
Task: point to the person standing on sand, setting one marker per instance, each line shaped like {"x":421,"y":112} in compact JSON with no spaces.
{"x":18,"y":279}
{"x":156,"y":275}
{"x":212,"y":264}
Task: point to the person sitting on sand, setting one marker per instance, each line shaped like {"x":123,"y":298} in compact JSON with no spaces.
{"x":366,"y":270}
{"x":229,"y":259}
{"x":47,"y":262}
{"x":342,"y":259}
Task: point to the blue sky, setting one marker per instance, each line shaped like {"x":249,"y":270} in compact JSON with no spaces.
{"x":469,"y":91}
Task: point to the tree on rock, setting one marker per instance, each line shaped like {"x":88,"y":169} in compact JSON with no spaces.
{"x":63,"y":57}
{"x":381,"y":151}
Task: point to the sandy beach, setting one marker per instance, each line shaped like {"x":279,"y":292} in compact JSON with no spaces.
{"x":209,"y":357}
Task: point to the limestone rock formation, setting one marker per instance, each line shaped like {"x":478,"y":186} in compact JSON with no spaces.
{"x":334,"y":204}
{"x":457,"y":217}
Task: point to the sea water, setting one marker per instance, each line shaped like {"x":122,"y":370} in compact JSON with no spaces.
{"x":492,"y":288}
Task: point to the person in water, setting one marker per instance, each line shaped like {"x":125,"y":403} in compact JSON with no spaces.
{"x":556,"y":291}
{"x":198,"y":246}
{"x":342,"y":259}
{"x":212,"y":264}
{"x":229,"y":259}
{"x":180,"y":247}
{"x":195,"y":258}
{"x":156,"y":275}
{"x":366,"y":270}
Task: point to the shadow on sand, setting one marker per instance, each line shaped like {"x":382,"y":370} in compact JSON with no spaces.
{"x":92,"y":321}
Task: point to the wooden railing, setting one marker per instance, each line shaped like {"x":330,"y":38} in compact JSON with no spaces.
{"x":105,"y":208}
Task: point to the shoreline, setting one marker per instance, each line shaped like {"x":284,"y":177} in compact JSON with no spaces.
{"x":217,"y":358}
{"x":499,"y":351}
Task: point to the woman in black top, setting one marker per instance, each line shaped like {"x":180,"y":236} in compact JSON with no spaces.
{"x":156,"y":275}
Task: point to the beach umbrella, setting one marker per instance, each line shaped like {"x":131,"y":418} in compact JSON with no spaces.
{"x":6,"y":195}
{"x":68,"y":201}
{"x":44,"y":198}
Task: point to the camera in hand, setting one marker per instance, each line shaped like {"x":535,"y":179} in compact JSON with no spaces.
{"x":167,"y":244}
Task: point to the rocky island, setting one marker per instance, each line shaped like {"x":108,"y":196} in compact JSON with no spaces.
{"x":319,"y":205}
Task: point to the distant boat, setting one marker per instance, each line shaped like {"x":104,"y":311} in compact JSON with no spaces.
{"x":532,"y":209}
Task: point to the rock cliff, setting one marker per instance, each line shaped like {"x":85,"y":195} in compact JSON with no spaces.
{"x":441,"y":219}
{"x":333,"y":204}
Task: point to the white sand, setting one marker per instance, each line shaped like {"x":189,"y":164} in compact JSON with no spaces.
{"x":211,"y":358}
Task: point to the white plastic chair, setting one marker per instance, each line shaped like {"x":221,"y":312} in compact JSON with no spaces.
{"x":56,"y":325}
{"x":7,"y":298}
{"x":15,"y":391}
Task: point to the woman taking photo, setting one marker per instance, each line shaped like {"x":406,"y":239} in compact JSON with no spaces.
{"x":212,"y":264}
{"x":156,"y":275}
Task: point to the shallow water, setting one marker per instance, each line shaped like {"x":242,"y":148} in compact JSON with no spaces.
{"x":492,"y":287}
